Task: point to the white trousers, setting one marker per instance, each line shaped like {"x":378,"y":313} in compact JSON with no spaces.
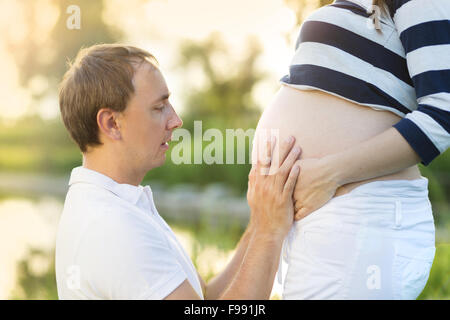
{"x":375,"y":242}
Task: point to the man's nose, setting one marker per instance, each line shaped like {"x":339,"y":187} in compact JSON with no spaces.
{"x":174,"y":122}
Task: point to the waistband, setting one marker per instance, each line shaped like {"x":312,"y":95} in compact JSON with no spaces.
{"x":377,"y":201}
{"x":416,"y":188}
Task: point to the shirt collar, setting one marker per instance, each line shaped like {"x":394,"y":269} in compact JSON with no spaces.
{"x":125,"y":191}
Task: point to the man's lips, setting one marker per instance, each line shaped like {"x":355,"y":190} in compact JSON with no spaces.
{"x":166,"y":143}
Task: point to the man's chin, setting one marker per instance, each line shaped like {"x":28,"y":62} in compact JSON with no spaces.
{"x":158,"y":163}
{"x":162,"y":161}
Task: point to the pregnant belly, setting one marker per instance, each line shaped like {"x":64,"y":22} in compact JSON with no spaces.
{"x":323,"y":124}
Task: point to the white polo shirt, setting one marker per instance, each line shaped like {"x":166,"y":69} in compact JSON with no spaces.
{"x":113,"y":244}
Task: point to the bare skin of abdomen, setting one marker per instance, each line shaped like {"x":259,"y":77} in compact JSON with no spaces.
{"x":323,"y":124}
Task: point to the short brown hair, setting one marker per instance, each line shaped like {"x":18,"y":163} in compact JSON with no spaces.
{"x":100,"y":77}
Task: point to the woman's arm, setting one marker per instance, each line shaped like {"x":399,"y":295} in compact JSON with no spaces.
{"x":381,"y":155}
{"x":319,"y":179}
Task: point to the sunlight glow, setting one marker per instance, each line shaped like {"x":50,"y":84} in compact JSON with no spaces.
{"x":24,"y":224}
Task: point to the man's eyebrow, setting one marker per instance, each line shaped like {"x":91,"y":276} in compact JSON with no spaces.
{"x":162,"y":98}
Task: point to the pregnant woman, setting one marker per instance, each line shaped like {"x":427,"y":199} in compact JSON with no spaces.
{"x":367,"y":103}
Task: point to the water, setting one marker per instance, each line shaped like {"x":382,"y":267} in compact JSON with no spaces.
{"x":24,"y":224}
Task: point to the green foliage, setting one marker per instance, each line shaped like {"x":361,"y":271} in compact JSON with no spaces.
{"x":36,"y":145}
{"x":438,"y":175}
{"x":36,"y":285}
{"x":234,"y":175}
{"x":225,"y":100}
{"x":222,"y":235}
{"x":438,"y":285}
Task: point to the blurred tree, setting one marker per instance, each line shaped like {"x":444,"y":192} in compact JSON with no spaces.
{"x":36,"y":284}
{"x":225,"y":100}
{"x":47,"y":56}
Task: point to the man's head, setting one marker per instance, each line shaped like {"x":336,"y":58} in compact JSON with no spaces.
{"x":115,"y":98}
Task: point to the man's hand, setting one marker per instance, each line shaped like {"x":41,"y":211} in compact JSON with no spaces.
{"x":270,"y":187}
{"x":316,"y":185}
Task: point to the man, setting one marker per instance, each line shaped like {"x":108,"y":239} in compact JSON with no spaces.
{"x":111,"y":242}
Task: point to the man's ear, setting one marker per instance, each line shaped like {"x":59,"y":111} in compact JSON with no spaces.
{"x":107,"y":121}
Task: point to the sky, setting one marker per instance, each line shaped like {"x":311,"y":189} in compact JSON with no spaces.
{"x":159,"y":26}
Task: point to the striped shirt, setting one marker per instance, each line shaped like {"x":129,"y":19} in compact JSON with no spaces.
{"x":403,"y":68}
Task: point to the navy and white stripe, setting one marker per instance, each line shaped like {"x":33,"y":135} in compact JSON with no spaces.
{"x":404,"y":69}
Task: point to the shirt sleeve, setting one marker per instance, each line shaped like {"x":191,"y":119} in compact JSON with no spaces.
{"x":424,"y":30}
{"x":127,"y":259}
